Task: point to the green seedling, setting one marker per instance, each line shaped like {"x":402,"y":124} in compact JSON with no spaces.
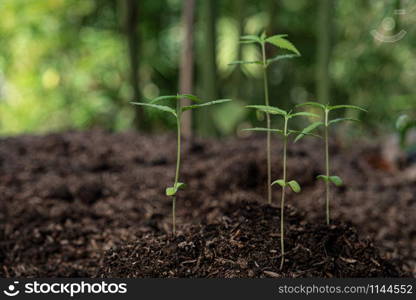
{"x":326,"y":123}
{"x":404,"y":124}
{"x":283,"y":182}
{"x":177,"y":185}
{"x":281,"y":42}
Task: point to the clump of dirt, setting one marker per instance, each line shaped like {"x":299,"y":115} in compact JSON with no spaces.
{"x":245,"y":243}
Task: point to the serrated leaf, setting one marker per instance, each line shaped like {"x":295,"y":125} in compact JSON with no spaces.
{"x":304,"y":113}
{"x":172,"y":190}
{"x":294,"y":185}
{"x":251,"y":38}
{"x":342,"y":119}
{"x":160,"y":98}
{"x":280,"y":57}
{"x":190,"y":97}
{"x":316,"y":104}
{"x":346,"y":106}
{"x":243,"y":62}
{"x":280,"y":182}
{"x":278,"y":131}
{"x":336,"y":180}
{"x":308,"y":129}
{"x":268,"y":109}
{"x":156,"y":106}
{"x":189,"y":107}
{"x":281,"y":42}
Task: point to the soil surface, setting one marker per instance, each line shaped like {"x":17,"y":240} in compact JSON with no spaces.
{"x":92,"y":204}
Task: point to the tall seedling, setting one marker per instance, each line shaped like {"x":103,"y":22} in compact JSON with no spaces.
{"x":283,"y":182}
{"x":177,"y":185}
{"x":279,"y":41}
{"x":326,"y":123}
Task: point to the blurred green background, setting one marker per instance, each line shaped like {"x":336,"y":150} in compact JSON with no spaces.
{"x":70,"y":64}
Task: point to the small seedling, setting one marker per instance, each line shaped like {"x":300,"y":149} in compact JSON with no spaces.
{"x":326,"y":123}
{"x":279,"y":41}
{"x":404,"y":124}
{"x":177,"y":185}
{"x":283,"y":182}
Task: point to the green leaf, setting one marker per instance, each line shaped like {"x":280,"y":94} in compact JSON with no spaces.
{"x":308,"y":129}
{"x":190,"y":97}
{"x":280,"y":182}
{"x":342,"y":119}
{"x":268,"y":109}
{"x":346,"y":106}
{"x":280,"y":57}
{"x":304,"y":113}
{"x":316,"y":104}
{"x":243,"y":62}
{"x":160,"y":98}
{"x":278,"y":131}
{"x":294,"y":185}
{"x":172,"y":190}
{"x":281,"y":42}
{"x":251,"y":38}
{"x":159,"y":107}
{"x":323,"y":177}
{"x":336,"y":180}
{"x":185,"y":108}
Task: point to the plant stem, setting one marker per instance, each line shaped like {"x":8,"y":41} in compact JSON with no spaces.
{"x":282,"y":205}
{"x":268,"y":146}
{"x":327,"y":166}
{"x":178,"y":164}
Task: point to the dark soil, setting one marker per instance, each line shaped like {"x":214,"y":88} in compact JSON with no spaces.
{"x":71,"y":202}
{"x":245,"y":243}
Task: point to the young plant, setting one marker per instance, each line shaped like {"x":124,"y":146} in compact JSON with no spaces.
{"x":283,"y":182}
{"x":404,"y":124}
{"x":279,"y":41}
{"x":177,"y":185}
{"x":326,"y":123}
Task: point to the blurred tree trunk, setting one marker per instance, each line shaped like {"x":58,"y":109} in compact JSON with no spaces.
{"x":131,"y":18}
{"x":237,"y":73}
{"x":209,"y":65}
{"x":325,"y":26}
{"x":187,"y":61}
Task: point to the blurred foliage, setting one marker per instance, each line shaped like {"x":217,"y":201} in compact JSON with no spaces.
{"x":64,"y":63}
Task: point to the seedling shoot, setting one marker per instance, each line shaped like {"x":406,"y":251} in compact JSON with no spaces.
{"x":326,"y":123}
{"x":283,"y":182}
{"x":279,"y":41}
{"x":171,"y":191}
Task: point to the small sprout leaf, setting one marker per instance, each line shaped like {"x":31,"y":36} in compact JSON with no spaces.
{"x":244,"y":62}
{"x":304,"y":113}
{"x":280,"y":182}
{"x":159,"y":107}
{"x":247,"y":39}
{"x":341,"y":120}
{"x":157,"y":99}
{"x":171,"y":191}
{"x":346,"y":106}
{"x":190,"y":97}
{"x":323,"y":177}
{"x":336,"y":180}
{"x":268,"y":109}
{"x":308,"y":129}
{"x":278,"y":131}
{"x":280,"y":57}
{"x":185,"y":108}
{"x":294,"y":185}
{"x":281,"y":42}
{"x":316,"y":104}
